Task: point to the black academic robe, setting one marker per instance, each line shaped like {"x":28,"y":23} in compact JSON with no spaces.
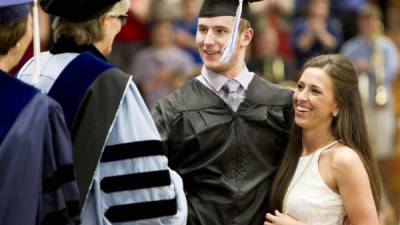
{"x":226,"y":159}
{"x":37,"y":178}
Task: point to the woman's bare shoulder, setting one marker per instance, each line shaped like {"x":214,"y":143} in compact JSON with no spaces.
{"x":345,"y":162}
{"x":344,"y":158}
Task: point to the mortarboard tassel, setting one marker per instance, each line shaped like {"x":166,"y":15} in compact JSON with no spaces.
{"x":230,"y":45}
{"x":36,"y":43}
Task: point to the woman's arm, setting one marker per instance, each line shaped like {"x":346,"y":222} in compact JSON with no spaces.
{"x":354,"y":187}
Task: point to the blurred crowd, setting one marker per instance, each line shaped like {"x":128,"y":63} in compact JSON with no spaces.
{"x":157,"y":47}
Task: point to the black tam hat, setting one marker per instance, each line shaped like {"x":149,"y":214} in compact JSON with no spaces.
{"x":213,"y":8}
{"x":77,"y":10}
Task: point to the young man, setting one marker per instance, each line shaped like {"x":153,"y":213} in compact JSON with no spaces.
{"x":121,"y":170}
{"x":225,"y":143}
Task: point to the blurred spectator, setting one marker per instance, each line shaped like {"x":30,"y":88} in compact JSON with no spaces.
{"x":133,"y":35}
{"x":278,"y":14}
{"x":337,"y":6}
{"x":267,"y":62}
{"x":375,"y":58}
{"x":161,"y":67}
{"x":285,"y":7}
{"x":165,"y":10}
{"x":186,"y":27}
{"x":316,"y":33}
{"x":344,"y":10}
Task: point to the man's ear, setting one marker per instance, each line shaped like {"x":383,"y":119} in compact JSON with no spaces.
{"x":247,"y":36}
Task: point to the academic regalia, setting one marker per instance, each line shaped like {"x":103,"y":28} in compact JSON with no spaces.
{"x":121,"y":168}
{"x":37,"y":178}
{"x":225,"y":152}
{"x":226,"y":159}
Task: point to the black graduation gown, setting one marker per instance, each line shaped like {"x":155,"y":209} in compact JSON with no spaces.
{"x":226,"y":159}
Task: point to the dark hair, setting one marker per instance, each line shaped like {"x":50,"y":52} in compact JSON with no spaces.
{"x":11,"y":33}
{"x":348,"y":127}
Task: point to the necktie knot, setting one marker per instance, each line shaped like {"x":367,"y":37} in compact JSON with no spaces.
{"x":231,"y":97}
{"x":231,"y":86}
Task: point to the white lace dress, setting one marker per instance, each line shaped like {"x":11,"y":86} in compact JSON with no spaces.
{"x":309,"y":199}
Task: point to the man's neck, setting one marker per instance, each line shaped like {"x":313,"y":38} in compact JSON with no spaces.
{"x":234,"y":71}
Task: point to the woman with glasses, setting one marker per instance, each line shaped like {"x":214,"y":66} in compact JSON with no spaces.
{"x":122,"y":173}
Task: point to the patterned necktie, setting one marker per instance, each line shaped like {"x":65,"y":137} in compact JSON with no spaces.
{"x":231,"y":97}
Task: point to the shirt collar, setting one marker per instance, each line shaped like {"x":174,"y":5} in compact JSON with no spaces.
{"x":216,"y":80}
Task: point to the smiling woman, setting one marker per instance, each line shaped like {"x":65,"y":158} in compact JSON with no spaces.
{"x":328,"y":172}
{"x":314,"y":100}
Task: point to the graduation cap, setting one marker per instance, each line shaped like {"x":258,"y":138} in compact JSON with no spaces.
{"x":77,"y":10}
{"x":212,"y":8}
{"x":13,"y":10}
{"x":236,"y":8}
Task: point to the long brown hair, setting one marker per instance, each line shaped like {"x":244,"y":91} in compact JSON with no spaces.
{"x":349,"y":127}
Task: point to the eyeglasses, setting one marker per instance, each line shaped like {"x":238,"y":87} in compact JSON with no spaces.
{"x":122,"y":18}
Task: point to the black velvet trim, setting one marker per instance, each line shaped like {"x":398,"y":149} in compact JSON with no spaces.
{"x":59,"y":218}
{"x":132,"y":150}
{"x":62,"y":216}
{"x":138,"y":211}
{"x":135,"y":181}
{"x":62,"y":175}
{"x":103,"y":100}
{"x":73,"y":208}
